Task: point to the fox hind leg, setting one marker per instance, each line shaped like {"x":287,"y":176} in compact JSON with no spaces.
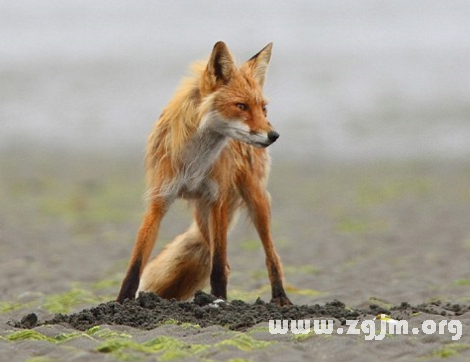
{"x":142,"y":248}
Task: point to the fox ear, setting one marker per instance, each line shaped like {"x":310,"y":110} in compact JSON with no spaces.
{"x":259,"y":63}
{"x":221,"y":65}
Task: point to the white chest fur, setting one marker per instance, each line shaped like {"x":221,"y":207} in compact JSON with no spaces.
{"x":199,"y":156}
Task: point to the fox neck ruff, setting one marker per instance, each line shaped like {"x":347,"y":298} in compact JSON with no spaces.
{"x":203,"y":149}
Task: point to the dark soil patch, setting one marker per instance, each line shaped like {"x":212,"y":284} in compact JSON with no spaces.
{"x":149,"y":311}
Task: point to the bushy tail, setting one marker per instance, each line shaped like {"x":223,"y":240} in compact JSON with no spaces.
{"x":181,"y":269}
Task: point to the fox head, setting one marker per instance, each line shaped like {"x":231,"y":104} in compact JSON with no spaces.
{"x":233,"y":97}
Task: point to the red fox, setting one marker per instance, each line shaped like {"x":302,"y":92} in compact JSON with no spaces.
{"x":208,"y":147}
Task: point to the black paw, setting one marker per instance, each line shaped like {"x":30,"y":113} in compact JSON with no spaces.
{"x":281,"y":301}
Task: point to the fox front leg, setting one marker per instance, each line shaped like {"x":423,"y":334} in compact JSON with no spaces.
{"x":219,"y":220}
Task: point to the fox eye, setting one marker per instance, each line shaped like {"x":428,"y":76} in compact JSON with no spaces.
{"x":242,"y":106}
{"x":265,"y":109}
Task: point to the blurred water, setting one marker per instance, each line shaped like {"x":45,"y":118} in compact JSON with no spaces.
{"x":360,"y":79}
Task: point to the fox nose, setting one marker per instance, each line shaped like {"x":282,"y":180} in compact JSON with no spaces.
{"x":273,"y":136}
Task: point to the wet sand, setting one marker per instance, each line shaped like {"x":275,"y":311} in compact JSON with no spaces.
{"x":371,"y":235}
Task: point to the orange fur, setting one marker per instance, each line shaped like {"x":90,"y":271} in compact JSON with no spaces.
{"x":209,"y":146}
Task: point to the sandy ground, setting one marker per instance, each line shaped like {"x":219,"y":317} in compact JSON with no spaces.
{"x":376,"y":233}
